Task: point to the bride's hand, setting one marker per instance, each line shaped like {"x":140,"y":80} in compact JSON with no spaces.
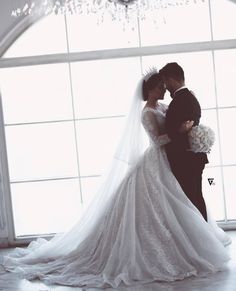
{"x":186,"y":126}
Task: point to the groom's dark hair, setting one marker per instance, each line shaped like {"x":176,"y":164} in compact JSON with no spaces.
{"x":173,"y":70}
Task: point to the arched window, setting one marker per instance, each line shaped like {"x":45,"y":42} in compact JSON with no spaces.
{"x":66,"y":85}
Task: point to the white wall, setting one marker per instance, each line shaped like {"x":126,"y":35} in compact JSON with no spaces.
{"x":10,"y":28}
{"x":8,"y":25}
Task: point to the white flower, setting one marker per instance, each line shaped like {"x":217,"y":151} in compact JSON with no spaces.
{"x":201,"y":139}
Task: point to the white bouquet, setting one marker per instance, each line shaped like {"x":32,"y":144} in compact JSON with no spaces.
{"x":201,"y":139}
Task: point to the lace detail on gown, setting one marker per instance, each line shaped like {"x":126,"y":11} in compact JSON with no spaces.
{"x":153,"y":122}
{"x":148,"y":232}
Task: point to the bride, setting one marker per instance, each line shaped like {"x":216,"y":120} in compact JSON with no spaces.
{"x":140,"y":228}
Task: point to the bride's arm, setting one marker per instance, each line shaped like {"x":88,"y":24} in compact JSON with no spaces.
{"x":201,"y":137}
{"x":151,"y":126}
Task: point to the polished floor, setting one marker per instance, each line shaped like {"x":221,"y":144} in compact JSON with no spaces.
{"x":222,"y":281}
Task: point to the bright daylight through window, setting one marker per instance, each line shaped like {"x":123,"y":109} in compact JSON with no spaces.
{"x":63,"y":119}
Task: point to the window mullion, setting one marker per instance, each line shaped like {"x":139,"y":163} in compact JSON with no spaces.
{"x":73,"y":112}
{"x":7,"y":214}
{"x":217,"y":116}
{"x":118,"y":53}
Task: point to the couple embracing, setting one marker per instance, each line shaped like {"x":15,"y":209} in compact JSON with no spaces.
{"x":152,"y":225}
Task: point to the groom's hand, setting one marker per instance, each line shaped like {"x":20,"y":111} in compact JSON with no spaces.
{"x":186,"y":126}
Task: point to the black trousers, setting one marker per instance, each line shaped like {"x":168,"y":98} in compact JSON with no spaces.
{"x":188,"y":168}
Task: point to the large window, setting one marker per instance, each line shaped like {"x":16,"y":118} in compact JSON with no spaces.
{"x":63,"y":118}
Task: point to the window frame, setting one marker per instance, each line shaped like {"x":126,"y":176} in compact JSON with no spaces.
{"x":212,"y":46}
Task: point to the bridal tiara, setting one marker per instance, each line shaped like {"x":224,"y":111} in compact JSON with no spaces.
{"x":149,"y":72}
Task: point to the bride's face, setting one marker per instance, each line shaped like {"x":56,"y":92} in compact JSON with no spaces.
{"x":159,"y":91}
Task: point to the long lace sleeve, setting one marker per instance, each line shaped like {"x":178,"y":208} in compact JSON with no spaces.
{"x":150,"y":123}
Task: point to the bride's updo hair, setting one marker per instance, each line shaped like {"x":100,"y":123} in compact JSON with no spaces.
{"x":150,"y":84}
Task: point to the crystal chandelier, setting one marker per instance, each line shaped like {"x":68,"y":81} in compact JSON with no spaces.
{"x":114,"y":7}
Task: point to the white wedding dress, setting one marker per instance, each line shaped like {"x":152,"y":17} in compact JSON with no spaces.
{"x":149,"y":231}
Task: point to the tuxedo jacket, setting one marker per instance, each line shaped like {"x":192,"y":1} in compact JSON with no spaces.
{"x":183,"y":107}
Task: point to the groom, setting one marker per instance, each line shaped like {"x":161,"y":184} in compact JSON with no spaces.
{"x":187,"y":166}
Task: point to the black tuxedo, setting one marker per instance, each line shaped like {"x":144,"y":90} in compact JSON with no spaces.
{"x":186,"y":166}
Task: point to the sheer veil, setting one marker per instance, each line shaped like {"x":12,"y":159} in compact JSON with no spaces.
{"x":129,"y":151}
{"x":132,"y":142}
{"x":139,"y":228}
{"x":127,"y":154}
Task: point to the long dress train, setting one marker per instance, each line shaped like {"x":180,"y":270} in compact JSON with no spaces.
{"x":149,"y":231}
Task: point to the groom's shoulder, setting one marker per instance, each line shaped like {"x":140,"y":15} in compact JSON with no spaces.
{"x":186,"y":94}
{"x":185,"y":100}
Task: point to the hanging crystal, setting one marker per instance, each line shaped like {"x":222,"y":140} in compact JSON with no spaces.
{"x":116,"y":8}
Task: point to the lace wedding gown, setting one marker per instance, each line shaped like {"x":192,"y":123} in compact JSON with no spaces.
{"x":149,"y":231}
